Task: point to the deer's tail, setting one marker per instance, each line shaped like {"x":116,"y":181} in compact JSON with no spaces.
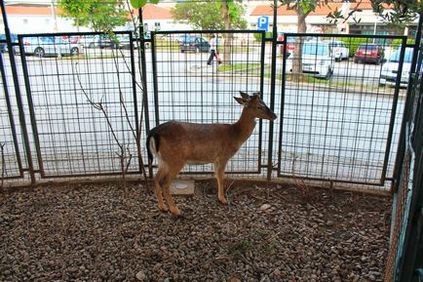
{"x":152,"y":144}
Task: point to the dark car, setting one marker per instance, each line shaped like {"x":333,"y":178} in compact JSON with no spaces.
{"x":3,"y":45}
{"x":100,"y":41}
{"x":194,"y":44}
{"x":369,"y":53}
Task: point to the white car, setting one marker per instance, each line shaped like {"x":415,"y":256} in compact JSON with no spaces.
{"x":50,"y":45}
{"x":389,"y":71}
{"x":317,"y":59}
{"x":340,"y":50}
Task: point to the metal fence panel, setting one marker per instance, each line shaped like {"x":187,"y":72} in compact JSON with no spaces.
{"x":188,"y":87}
{"x":10,"y":157}
{"x":82,"y":102}
{"x":339,"y":129}
{"x":407,"y":219}
{"x":338,"y":105}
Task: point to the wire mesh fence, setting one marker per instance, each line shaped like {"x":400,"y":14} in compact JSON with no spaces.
{"x":83,"y":104}
{"x":402,"y":258}
{"x":337,"y":118}
{"x":10,"y":154}
{"x":196,"y":77}
{"x":338,"y":105}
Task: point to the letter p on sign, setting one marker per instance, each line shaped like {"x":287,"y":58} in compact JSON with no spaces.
{"x":263,"y":23}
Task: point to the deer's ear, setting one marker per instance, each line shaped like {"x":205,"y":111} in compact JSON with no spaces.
{"x":257,"y":94}
{"x":255,"y":97}
{"x":240,"y":100}
{"x":244,"y":95}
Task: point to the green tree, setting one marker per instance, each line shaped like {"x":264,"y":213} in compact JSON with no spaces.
{"x":98,"y":15}
{"x":227,"y":15}
{"x":208,"y":14}
{"x":302,"y":8}
{"x":75,"y":10}
{"x":392,"y":11}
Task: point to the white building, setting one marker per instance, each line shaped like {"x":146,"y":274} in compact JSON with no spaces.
{"x":25,"y":17}
{"x":364,"y":21}
{"x":42,"y":16}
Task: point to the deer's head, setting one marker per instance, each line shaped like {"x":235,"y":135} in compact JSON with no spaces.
{"x":255,"y":105}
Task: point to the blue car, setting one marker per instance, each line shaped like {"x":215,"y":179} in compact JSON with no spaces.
{"x":3,"y":45}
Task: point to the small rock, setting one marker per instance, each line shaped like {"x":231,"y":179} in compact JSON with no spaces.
{"x":265,"y":207}
{"x":234,"y":279}
{"x":141,"y":276}
{"x":277,"y":273}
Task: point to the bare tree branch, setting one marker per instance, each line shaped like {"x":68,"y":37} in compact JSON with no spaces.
{"x":3,"y":164}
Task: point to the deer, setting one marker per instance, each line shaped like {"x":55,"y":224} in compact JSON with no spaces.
{"x":176,"y":143}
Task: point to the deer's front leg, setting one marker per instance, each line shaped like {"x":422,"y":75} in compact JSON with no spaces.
{"x":219,"y":170}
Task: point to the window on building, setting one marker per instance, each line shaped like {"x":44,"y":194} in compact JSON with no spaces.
{"x":157,"y":26}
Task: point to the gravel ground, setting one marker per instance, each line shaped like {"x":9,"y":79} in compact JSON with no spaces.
{"x":104,"y":232}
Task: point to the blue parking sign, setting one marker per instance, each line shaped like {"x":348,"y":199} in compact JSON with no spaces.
{"x":263,"y":23}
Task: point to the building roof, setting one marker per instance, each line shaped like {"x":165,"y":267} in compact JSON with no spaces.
{"x":153,"y":12}
{"x":267,"y":10}
{"x":35,"y":10}
{"x":150,"y":12}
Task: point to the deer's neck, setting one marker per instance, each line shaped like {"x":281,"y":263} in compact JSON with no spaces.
{"x":244,"y":126}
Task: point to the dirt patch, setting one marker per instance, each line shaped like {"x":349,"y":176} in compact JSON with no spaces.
{"x":102,"y":232}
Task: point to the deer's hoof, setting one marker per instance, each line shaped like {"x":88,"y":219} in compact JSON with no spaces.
{"x":223,"y":200}
{"x":175,"y":212}
{"x":163,"y":208}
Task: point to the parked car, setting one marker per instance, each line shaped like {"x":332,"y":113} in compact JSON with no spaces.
{"x":50,"y":45}
{"x":3,"y":45}
{"x":369,"y":53}
{"x":340,"y":50}
{"x":290,"y":44}
{"x":182,"y":38}
{"x":89,"y":41}
{"x":389,"y":72}
{"x":317,"y":59}
{"x":105,"y":41}
{"x":75,"y":39}
{"x":194,"y":44}
{"x":99,"y":41}
{"x":123,"y":41}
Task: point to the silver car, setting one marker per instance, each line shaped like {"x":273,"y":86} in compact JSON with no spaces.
{"x":50,"y":45}
{"x":317,"y":59}
{"x":389,"y":72}
{"x":340,"y":50}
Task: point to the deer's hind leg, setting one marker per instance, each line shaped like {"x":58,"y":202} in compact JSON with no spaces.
{"x":158,"y":186}
{"x":172,"y":173}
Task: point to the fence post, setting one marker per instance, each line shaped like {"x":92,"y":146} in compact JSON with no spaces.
{"x":272,"y":89}
{"x":18,"y":94}
{"x":143,"y":69}
{"x":9,"y":111}
{"x":155,"y":83}
{"x":394,"y":110}
{"x":401,"y":143}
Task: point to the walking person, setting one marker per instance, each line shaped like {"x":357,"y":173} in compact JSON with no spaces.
{"x":214,"y":53}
